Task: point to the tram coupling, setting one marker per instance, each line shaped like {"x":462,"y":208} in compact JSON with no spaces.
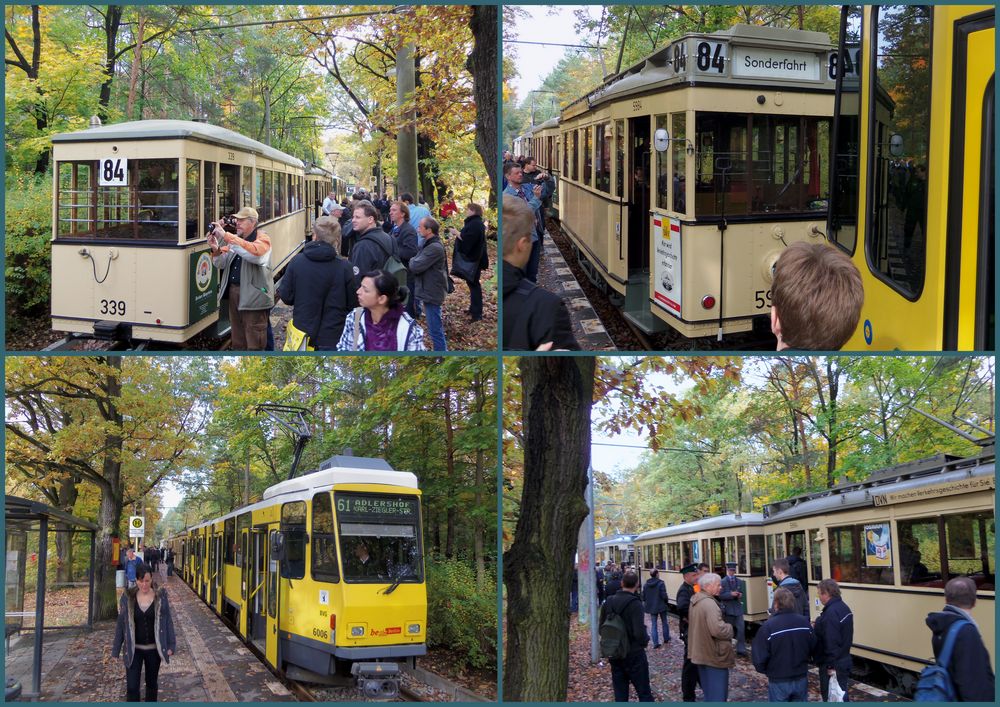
{"x":378,"y":681}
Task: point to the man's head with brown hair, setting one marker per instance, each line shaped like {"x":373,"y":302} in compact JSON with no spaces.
{"x":327,"y":229}
{"x":816,"y":298}
{"x":784,"y":600}
{"x":518,"y":223}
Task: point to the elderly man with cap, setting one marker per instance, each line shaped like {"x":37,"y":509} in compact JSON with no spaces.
{"x":689,"y":672}
{"x":731,"y":596}
{"x":244,"y":259}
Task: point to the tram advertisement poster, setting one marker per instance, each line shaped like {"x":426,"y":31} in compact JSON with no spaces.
{"x":878,"y":547}
{"x":202,"y":292}
{"x":667,"y":266}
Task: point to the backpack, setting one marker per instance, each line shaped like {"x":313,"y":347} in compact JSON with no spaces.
{"x":935,"y":683}
{"x":614,"y":636}
{"x":394,"y":266}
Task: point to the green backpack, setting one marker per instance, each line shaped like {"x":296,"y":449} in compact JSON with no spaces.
{"x":614,"y":636}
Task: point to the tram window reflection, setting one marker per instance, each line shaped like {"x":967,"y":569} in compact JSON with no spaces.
{"x":324,"y":543}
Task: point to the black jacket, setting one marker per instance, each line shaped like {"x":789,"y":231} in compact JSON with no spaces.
{"x":799,"y":592}
{"x":532,"y":315}
{"x":654,"y":596}
{"x":406,"y":243}
{"x":629,"y":607}
{"x":613,"y":585}
{"x":472,"y":242}
{"x":970,"y":668}
{"x":797,"y":569}
{"x":782,"y":646}
{"x":370,"y":252}
{"x":320,"y":286}
{"x":834,"y":635}
{"x":684,"y":596}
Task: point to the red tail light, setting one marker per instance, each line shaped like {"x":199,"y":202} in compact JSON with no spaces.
{"x":333,"y":622}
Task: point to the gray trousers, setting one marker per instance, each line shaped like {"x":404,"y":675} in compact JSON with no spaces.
{"x":739,"y":631}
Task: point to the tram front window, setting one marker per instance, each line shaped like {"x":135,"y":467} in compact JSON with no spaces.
{"x":137,"y":201}
{"x":760,"y":164}
{"x":379,"y":538}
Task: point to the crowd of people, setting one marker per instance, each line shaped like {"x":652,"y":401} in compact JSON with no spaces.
{"x":371,"y":270}
{"x":711,"y":627}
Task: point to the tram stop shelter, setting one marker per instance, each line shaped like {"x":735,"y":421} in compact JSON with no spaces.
{"x":28,"y":524}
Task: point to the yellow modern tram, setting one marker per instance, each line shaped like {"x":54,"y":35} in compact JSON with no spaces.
{"x":685,"y":176}
{"x":324,"y":575}
{"x":913,"y":174}
{"x":131,"y":206}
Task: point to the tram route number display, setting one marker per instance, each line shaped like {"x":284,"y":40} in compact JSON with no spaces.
{"x":368,"y":507}
{"x":667,"y":264}
{"x":112,"y":172}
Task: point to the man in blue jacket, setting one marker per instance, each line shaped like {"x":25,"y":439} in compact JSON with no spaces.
{"x":970,"y":667}
{"x":834,"y":638}
{"x":781,"y":650}
{"x":654,"y":601}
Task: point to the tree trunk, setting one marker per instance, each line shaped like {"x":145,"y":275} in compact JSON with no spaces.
{"x":110,"y":513}
{"x":557,"y":395}
{"x":136,"y":69}
{"x":478,"y":530}
{"x":112,"y":21}
{"x":482,"y":65}
{"x":449,"y":460}
{"x":67,"y":491}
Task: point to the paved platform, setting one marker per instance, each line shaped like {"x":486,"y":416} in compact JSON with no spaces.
{"x":555,"y":275}
{"x":211,"y":664}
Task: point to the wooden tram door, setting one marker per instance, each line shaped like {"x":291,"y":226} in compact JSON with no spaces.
{"x":637,"y":263}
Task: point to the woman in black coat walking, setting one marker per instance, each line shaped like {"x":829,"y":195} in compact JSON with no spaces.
{"x":144,"y":634}
{"x":471,"y":244}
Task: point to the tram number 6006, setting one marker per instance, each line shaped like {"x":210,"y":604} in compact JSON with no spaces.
{"x":113,"y":307}
{"x":708,"y":60}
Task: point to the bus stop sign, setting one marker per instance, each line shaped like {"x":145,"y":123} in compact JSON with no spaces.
{"x":136,"y":527}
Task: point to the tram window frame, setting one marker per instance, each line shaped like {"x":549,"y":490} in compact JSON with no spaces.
{"x":674,"y":557}
{"x":246,"y":187}
{"x":845,"y":138}
{"x":210,"y":178}
{"x":815,"y":564}
{"x":192,"y":191}
{"x":661,"y":170}
{"x":854,"y":561}
{"x":939,"y":537}
{"x":293,"y":527}
{"x":619,"y":158}
{"x":660,"y":556}
{"x":242,"y":523}
{"x":588,"y":155}
{"x":678,"y":166}
{"x":877,"y":239}
{"x":272,"y":580}
{"x":124,"y":201}
{"x":741,"y":554}
{"x":690,"y":552}
{"x":758,"y":561}
{"x":574,"y":165}
{"x":324,"y":565}
{"x":602,"y":168}
{"x":229,"y":541}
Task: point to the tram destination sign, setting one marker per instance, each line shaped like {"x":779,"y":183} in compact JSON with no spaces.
{"x":952,"y":488}
{"x":755,"y":63}
{"x":383,"y":507}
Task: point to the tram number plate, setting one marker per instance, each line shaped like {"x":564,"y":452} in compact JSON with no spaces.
{"x":113,"y":307}
{"x":849,"y":59}
{"x":762,"y":298}
{"x":710,"y":57}
{"x":113,"y":172}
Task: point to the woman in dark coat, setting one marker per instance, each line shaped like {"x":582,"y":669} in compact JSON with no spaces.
{"x":471,"y":244}
{"x":146,"y":629}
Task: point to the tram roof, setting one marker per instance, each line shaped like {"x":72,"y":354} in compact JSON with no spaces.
{"x":895,"y":484}
{"x":657,"y":69}
{"x":618,"y":539}
{"x":726,"y":520}
{"x":176,"y":129}
{"x":316,"y":170}
{"x":550,"y":123}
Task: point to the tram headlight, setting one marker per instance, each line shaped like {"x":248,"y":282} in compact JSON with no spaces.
{"x":358,"y":631}
{"x":413,"y":628}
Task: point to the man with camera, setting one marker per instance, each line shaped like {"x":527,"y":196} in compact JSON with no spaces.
{"x":243,"y":255}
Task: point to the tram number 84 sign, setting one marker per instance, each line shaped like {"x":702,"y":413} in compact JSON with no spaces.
{"x":136,"y":527}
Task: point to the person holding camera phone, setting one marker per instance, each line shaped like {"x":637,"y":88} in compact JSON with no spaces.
{"x":244,"y":259}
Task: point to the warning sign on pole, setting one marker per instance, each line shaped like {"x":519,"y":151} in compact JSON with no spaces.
{"x":136,"y":527}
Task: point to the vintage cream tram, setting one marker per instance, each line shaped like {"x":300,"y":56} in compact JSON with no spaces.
{"x":131,"y":206}
{"x":685,"y":176}
{"x":618,"y":548}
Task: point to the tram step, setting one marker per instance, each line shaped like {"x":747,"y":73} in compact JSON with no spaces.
{"x":636,"y":308}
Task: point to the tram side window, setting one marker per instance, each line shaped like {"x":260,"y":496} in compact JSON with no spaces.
{"x":246,"y":198}
{"x":815,"y":557}
{"x":758,"y":566}
{"x":850,"y":562}
{"x":588,"y":155}
{"x":603,"y":168}
{"x":846,"y":164}
{"x":242,"y":525}
{"x":741,"y":554}
{"x":678,"y":148}
{"x":658,"y":557}
{"x":229,"y":541}
{"x":619,"y":157}
{"x":293,"y":526}
{"x":210,"y":193}
{"x":280,"y":194}
{"x":574,"y":157}
{"x":192,"y":186}
{"x":324,"y":543}
{"x":691,"y":552}
{"x":662,"y":168}
{"x":896,"y":240}
{"x":933,"y":550}
{"x":674,"y":556}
